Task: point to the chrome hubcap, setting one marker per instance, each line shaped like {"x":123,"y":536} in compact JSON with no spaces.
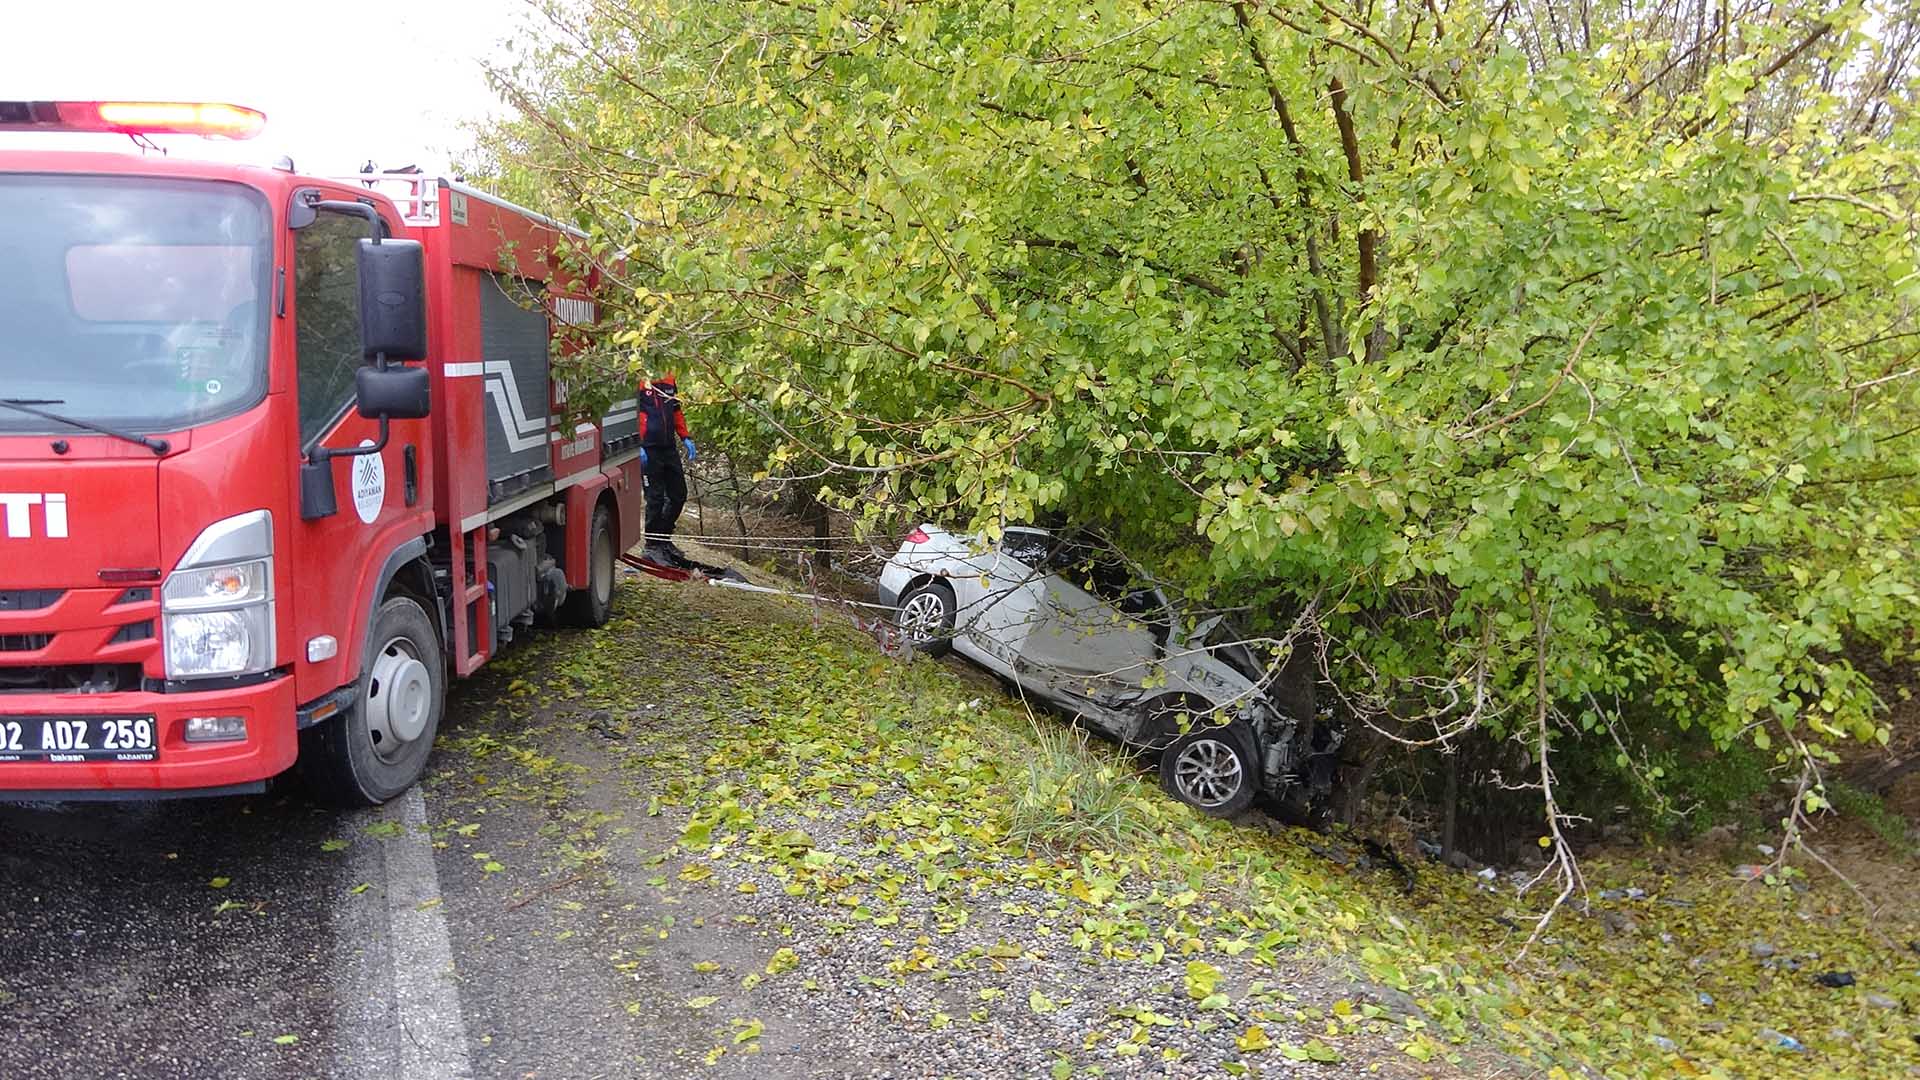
{"x":923,"y":617}
{"x":1207,"y":773}
{"x":399,"y":699}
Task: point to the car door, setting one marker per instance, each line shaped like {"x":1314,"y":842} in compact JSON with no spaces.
{"x":997,"y":605}
{"x":1081,"y":645}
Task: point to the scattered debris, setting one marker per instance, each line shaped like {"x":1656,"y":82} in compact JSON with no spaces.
{"x":1664,"y":1043}
{"x":1834,"y":980}
{"x":1782,"y":1041}
{"x":1761,"y":949}
{"x":1749,"y":871}
{"x":1705,"y":999}
{"x":1881,"y":1001}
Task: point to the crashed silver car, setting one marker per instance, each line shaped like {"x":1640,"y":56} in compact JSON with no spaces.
{"x":1063,"y":620}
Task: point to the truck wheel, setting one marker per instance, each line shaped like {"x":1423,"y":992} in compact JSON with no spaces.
{"x":593,"y":605}
{"x":378,"y":748}
{"x":1209,"y":770}
{"x":925,"y":618}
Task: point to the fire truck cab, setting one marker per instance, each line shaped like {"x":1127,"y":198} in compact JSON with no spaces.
{"x":279,"y":457}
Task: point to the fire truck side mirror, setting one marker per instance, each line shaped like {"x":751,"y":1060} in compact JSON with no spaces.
{"x":391,"y":393}
{"x":393,"y":305}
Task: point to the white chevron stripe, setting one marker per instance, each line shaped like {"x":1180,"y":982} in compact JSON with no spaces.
{"x":524,"y":423}
{"x":515,"y":440}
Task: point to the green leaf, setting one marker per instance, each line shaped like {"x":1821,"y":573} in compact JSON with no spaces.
{"x":1202,"y":979}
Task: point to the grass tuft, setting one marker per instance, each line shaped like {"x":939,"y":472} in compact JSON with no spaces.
{"x":1067,"y":798}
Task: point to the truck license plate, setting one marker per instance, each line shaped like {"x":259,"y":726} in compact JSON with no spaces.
{"x":77,"y":738}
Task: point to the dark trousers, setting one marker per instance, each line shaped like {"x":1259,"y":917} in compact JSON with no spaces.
{"x":666,"y":490}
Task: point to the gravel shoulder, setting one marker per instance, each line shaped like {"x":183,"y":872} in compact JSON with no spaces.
{"x":728,"y":837}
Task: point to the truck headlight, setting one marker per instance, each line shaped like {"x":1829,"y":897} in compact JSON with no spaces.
{"x":217,"y":605}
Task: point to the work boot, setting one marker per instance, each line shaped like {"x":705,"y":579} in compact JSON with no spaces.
{"x":662,"y":553}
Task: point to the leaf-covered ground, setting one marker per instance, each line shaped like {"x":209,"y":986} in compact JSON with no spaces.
{"x":787,"y":854}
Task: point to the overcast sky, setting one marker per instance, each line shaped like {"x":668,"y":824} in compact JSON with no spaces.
{"x":390,"y":81}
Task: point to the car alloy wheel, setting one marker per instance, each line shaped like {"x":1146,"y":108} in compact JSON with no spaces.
{"x":923,"y":616}
{"x":1207,"y":773}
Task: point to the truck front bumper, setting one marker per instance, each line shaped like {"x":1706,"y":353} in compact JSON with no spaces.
{"x":179,"y":767}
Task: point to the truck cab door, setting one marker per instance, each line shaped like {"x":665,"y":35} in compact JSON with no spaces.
{"x":381,"y":498}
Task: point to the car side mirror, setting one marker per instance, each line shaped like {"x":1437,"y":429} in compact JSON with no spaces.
{"x":391,"y":392}
{"x":393,"y":304}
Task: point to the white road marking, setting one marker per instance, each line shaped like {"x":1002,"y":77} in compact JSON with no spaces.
{"x":426,"y":997}
{"x":397,"y":1007}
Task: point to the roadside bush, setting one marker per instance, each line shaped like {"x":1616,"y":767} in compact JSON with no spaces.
{"x":1556,"y":380}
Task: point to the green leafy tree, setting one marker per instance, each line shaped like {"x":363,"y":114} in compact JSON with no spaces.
{"x":1549,"y":370}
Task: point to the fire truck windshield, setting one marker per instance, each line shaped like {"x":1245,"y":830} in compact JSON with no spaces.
{"x":135,"y":302}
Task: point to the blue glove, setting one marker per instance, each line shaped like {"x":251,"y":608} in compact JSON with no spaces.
{"x":693,"y":452}
{"x":643,"y":457}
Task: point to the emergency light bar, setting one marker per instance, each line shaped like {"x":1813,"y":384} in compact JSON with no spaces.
{"x":209,"y":119}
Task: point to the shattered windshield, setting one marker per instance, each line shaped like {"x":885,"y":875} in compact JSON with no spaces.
{"x":134,"y":302}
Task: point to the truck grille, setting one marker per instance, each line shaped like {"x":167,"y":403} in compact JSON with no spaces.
{"x":77,"y":641}
{"x":28,"y":599}
{"x":70,"y":679}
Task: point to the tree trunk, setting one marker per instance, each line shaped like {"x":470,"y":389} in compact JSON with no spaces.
{"x":1357,"y":766}
{"x":1880,"y":780}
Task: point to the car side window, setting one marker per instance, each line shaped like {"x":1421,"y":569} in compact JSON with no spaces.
{"x":326,"y":318}
{"x":1091,"y":569}
{"x":1024,"y":545}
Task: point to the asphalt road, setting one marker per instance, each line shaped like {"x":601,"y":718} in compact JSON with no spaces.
{"x":119,"y":957}
{"x":454,"y":933}
{"x":242,"y":938}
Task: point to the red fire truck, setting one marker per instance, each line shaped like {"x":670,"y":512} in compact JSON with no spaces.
{"x":279,"y":456}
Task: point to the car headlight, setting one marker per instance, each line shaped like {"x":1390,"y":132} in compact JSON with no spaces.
{"x":217,"y":605}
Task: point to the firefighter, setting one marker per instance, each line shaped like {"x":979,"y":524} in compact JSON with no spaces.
{"x":660,"y":422}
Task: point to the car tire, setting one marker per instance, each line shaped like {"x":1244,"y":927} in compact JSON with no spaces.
{"x":592,"y":606}
{"x":925,"y":617}
{"x":379,"y":747}
{"x":1210,"y":770}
